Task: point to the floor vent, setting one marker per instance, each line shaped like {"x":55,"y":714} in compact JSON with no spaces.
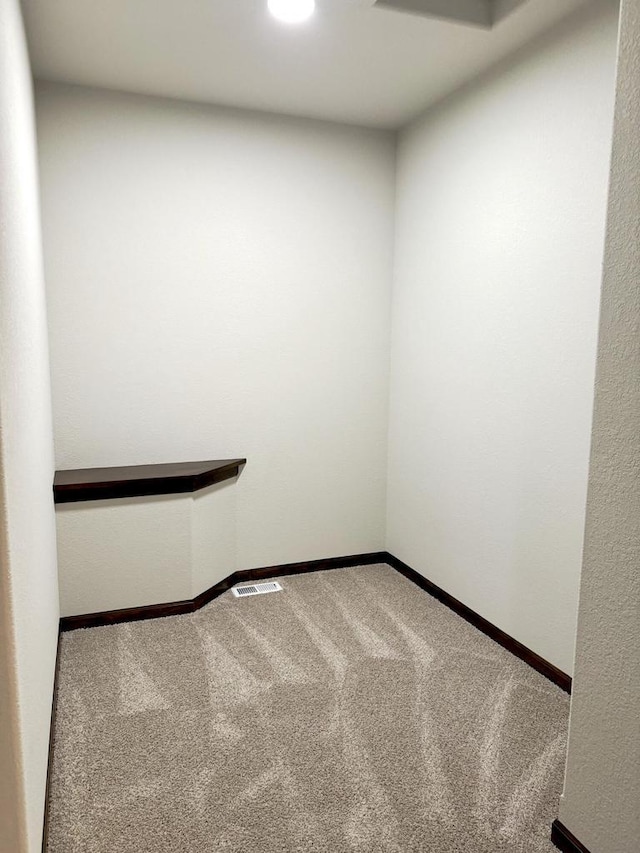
{"x":256,"y":589}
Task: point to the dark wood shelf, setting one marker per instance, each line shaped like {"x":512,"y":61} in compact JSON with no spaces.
{"x":95,"y":484}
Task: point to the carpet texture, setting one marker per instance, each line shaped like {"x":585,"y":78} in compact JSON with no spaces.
{"x":350,"y":712}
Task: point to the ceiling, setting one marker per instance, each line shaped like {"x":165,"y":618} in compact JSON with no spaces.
{"x":352,"y":62}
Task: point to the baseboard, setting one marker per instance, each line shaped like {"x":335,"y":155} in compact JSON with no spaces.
{"x":52,"y":725}
{"x":560,"y":836}
{"x":176,"y":608}
{"x":128,"y":614}
{"x":501,"y":637}
{"x":565,"y":840}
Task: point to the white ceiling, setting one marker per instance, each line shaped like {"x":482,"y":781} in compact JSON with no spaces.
{"x":351,"y":62}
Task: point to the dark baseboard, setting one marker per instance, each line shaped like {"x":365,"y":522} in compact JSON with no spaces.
{"x":565,"y":840}
{"x":52,"y":725}
{"x":501,"y":637}
{"x":251,"y":575}
{"x":128,"y":614}
{"x":176,"y":608}
{"x":560,"y":836}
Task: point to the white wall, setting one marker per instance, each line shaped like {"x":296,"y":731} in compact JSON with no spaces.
{"x":28,"y":581}
{"x":123,"y":553}
{"x":499,"y":238}
{"x":601,"y":802}
{"x":131,"y":552}
{"x":218,"y":285}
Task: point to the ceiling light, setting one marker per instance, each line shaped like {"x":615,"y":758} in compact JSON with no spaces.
{"x":292,"y":11}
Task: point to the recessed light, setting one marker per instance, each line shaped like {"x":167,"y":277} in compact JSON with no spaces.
{"x":292,"y":11}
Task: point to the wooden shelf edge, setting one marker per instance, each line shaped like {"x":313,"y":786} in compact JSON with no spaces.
{"x":95,"y":484}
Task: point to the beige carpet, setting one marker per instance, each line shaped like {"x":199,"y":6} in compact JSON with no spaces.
{"x":350,"y":712}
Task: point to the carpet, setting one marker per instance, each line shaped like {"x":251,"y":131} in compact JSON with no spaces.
{"x":349,"y":712}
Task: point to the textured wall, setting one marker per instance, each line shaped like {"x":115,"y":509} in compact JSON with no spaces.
{"x":601,"y":803}
{"x":123,"y":553}
{"x":499,"y":240}
{"x":28,"y":580}
{"x":218,"y":285}
{"x":137,"y":551}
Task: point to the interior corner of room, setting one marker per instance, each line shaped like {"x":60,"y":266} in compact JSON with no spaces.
{"x":386,"y":289}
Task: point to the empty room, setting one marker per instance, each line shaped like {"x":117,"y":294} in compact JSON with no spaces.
{"x":319,"y":426}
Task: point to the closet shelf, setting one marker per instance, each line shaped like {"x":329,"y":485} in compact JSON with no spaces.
{"x":94,"y":484}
